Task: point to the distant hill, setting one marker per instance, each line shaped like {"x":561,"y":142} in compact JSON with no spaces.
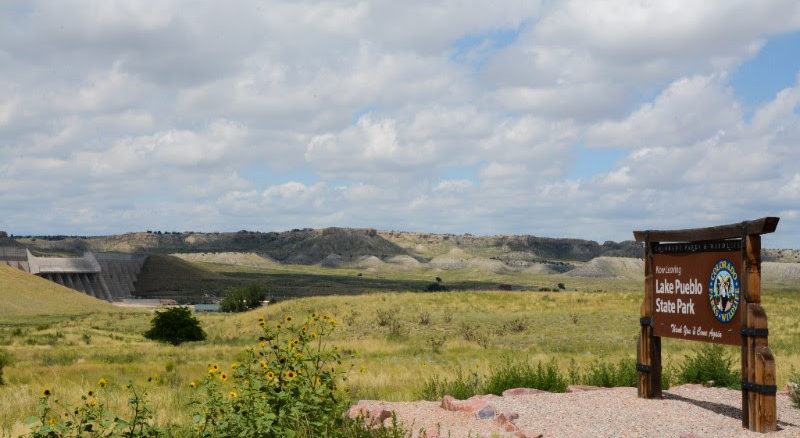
{"x":340,"y":245}
{"x":23,"y":294}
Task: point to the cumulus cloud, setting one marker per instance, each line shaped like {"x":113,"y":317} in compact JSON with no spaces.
{"x":413,"y":115}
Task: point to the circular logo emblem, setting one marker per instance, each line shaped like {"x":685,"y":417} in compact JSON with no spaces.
{"x":723,"y":291}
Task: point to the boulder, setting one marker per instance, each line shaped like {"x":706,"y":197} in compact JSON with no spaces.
{"x":472,"y":404}
{"x":521,"y":391}
{"x":583,"y":388}
{"x":506,"y":421}
{"x":373,"y":412}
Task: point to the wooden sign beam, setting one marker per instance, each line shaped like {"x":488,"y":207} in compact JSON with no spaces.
{"x":765,"y":225}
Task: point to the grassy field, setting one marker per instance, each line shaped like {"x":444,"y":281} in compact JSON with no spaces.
{"x":170,"y":277}
{"x":400,"y":338}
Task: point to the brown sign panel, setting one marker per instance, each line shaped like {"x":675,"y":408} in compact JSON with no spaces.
{"x":697,"y":291}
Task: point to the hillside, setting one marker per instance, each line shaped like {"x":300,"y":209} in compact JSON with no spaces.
{"x":335,"y":246}
{"x":164,"y":276}
{"x":23,"y":294}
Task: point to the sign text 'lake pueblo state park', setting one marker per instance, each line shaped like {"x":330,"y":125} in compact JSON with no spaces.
{"x":697,"y":291}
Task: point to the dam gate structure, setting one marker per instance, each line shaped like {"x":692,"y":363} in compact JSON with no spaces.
{"x":107,"y":276}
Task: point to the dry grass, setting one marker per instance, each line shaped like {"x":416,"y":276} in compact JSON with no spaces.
{"x":479,"y":330}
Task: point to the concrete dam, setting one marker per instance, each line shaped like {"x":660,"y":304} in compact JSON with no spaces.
{"x":107,"y":276}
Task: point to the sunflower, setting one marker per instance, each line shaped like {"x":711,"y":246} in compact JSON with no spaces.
{"x":270,"y":375}
{"x":47,"y":392}
{"x":288,"y":318}
{"x":90,"y":392}
{"x":234,"y":365}
{"x":102,"y":382}
{"x":261,"y":322}
{"x":290,"y":375}
{"x":233,"y":394}
{"x":193,"y":384}
{"x":223,"y":376}
{"x":263,"y":364}
{"x":278,"y":326}
{"x":262,"y":344}
{"x":213,"y":368}
{"x":293,"y":343}
{"x":363,"y":369}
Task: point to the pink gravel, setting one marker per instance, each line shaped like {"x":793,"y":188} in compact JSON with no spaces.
{"x":685,"y":411}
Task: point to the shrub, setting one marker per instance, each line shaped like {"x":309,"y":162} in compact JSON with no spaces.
{"x":5,"y":360}
{"x":289,"y":383}
{"x":794,"y":388}
{"x":609,"y":375}
{"x":525,"y":375}
{"x":710,"y":365}
{"x":240,"y":300}
{"x":90,"y":417}
{"x":435,"y":287}
{"x":175,"y":325}
{"x":461,"y":387}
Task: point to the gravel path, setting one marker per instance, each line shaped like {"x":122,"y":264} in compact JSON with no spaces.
{"x":688,"y":411}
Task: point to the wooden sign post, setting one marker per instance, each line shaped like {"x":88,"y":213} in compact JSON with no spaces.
{"x":704,"y":284}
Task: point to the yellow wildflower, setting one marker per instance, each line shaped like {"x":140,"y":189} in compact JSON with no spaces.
{"x":102,"y":382}
{"x":47,"y":392}
{"x":213,"y":368}
{"x":290,"y":375}
{"x":223,"y":376}
{"x":193,"y":384}
{"x":270,"y":375}
{"x":233,"y":394}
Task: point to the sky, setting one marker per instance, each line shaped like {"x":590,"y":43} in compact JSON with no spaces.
{"x":553,"y":118}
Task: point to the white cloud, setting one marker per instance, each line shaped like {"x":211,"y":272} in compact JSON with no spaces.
{"x":438,"y":116}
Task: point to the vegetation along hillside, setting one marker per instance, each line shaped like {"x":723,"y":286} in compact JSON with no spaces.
{"x":23,"y":294}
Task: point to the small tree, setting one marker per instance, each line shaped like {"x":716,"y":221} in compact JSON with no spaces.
{"x":239,"y":300}
{"x":175,"y":325}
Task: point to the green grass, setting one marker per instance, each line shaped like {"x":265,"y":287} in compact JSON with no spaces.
{"x":24,"y":295}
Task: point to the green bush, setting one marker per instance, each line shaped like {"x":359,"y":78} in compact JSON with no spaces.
{"x":90,"y":418}
{"x":435,"y":287}
{"x":794,"y":388}
{"x":609,"y":375}
{"x":290,"y":386}
{"x":240,"y":300}
{"x":710,"y":365}
{"x":461,"y":386}
{"x":5,"y":360}
{"x":175,"y":325}
{"x":546,"y":377}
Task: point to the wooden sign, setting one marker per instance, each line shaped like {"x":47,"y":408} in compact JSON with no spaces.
{"x":704,"y":284}
{"x":697,"y":291}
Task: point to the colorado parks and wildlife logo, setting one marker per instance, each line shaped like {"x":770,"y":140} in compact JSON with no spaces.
{"x":723,"y":290}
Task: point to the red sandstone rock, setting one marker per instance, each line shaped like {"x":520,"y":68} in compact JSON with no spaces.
{"x":506,"y":421}
{"x":521,"y":391}
{"x":583,"y":388}
{"x":371,"y":410}
{"x":472,"y":404}
{"x":528,"y":434}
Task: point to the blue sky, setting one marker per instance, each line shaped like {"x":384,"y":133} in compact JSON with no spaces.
{"x":564,"y":118}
